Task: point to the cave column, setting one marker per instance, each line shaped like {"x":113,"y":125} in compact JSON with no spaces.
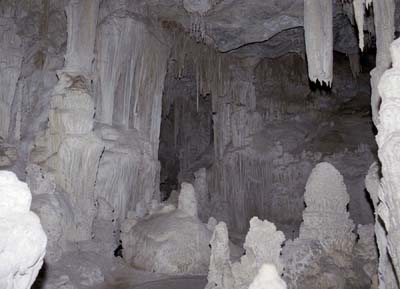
{"x":72,"y":150}
{"x":388,"y":140}
{"x":384,"y":30}
{"x":82,"y":21}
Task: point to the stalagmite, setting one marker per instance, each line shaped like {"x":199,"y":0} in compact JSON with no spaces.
{"x":220,"y":271}
{"x":326,"y":217}
{"x":268,"y":278}
{"x":262,"y":246}
{"x":319,"y":40}
{"x":169,"y":241}
{"x":22,"y":239}
{"x":326,"y":235}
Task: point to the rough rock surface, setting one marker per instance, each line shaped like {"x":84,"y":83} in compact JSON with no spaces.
{"x":22,"y":239}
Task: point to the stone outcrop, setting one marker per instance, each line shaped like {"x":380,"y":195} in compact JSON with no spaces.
{"x":22,"y":239}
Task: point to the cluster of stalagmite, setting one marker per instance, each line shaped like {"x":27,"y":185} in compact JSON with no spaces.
{"x":22,"y":239}
{"x":262,"y":246}
{"x":325,"y":255}
{"x":326,"y":237}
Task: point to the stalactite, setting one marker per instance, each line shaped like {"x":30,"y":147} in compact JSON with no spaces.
{"x":318,"y":25}
{"x":359,"y":11}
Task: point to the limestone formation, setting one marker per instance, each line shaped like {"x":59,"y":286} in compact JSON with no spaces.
{"x":70,"y":147}
{"x":326,"y":218}
{"x":384,"y":19}
{"x":326,"y":235}
{"x":107,"y":106}
{"x":173,"y":242}
{"x":220,"y":270}
{"x":268,"y":278}
{"x":22,"y":239}
{"x":263,"y":245}
{"x":318,"y":35}
{"x":386,"y":276}
{"x":388,"y":140}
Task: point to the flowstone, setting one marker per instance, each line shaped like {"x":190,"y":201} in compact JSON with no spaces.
{"x":22,"y":239}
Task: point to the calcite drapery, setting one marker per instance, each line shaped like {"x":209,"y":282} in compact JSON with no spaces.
{"x":131,"y":63}
{"x":318,"y":25}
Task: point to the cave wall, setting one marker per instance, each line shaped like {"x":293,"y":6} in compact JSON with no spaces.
{"x":270,"y":127}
